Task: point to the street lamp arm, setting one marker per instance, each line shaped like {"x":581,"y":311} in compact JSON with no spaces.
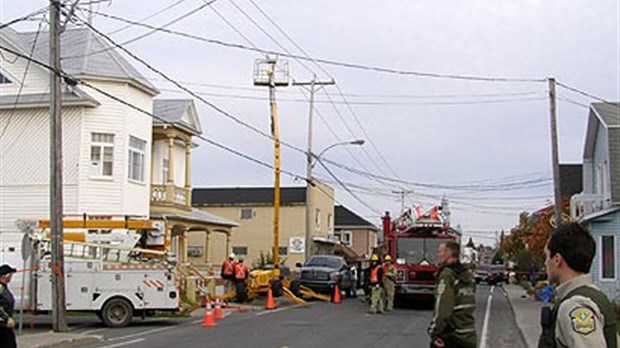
{"x":353,"y":142}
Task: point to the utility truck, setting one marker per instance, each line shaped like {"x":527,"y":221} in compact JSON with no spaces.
{"x":105,"y":271}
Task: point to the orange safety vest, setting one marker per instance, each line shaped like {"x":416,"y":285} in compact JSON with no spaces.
{"x":374,"y":274}
{"x":240,"y":271}
{"x":228,"y":267}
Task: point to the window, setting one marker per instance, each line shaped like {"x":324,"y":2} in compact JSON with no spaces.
{"x":346,"y":238}
{"x":317,"y":219}
{"x":101,"y":154}
{"x":165,"y":167}
{"x":240,"y":250}
{"x":329,"y":223}
{"x":136,"y":159}
{"x":608,"y":257}
{"x":283,"y":251}
{"x":4,"y":79}
{"x":194,"y":251}
{"x":246,"y":214}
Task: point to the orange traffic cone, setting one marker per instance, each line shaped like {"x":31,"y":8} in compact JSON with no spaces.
{"x":209,"y":320}
{"x":336,"y":297}
{"x":271,"y":304}
{"x":218,"y":309}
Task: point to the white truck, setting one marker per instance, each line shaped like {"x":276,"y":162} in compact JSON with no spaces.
{"x":104,"y":273}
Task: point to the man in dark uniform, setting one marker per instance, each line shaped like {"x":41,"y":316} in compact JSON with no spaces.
{"x":453,"y":320}
{"x":7,"y":305}
{"x":582,"y":316}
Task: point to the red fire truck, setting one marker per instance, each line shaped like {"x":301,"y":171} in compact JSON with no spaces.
{"x":412,"y":241}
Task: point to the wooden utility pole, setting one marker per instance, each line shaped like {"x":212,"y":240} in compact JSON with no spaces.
{"x":59,"y":320}
{"x":554,"y":153}
{"x":309,"y":157}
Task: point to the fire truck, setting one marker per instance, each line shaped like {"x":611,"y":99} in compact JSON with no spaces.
{"x":412,"y":241}
{"x":106,"y":270}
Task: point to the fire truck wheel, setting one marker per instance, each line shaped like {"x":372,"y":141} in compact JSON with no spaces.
{"x":117,"y":312}
{"x":276,"y":288}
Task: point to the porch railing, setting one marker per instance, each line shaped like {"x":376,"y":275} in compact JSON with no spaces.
{"x":170,"y":195}
{"x":583,"y":204}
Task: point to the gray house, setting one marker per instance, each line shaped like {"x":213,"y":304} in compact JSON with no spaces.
{"x":598,"y":206}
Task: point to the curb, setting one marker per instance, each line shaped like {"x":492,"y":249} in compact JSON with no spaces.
{"x":66,"y":343}
{"x":523,"y":338}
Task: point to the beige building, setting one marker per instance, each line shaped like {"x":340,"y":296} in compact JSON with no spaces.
{"x":252,"y":209}
{"x":355,"y":232}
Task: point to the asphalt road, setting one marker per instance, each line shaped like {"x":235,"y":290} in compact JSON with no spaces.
{"x":319,"y":325}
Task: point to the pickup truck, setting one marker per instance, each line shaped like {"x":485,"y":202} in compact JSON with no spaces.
{"x":321,"y":273}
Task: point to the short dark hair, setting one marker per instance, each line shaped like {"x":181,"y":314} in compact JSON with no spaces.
{"x":576,"y":245}
{"x":454,"y":248}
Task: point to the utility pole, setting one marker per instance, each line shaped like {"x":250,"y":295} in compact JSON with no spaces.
{"x":402,"y":194}
{"x":309,"y":181}
{"x":554,"y":153}
{"x":59,"y":320}
{"x":269,"y":73}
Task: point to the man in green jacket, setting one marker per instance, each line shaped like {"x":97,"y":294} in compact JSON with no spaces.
{"x":582,"y":316}
{"x":453,"y":319}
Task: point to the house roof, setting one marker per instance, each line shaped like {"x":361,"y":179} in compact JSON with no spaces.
{"x":197,"y":215}
{"x":609,"y":113}
{"x":84,"y":53}
{"x":346,"y":218}
{"x":598,"y":214}
{"x":179,"y":112}
{"x":571,"y":179}
{"x":231,"y":196}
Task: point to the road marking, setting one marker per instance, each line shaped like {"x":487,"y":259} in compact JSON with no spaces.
{"x":92,"y":331}
{"x":140,"y":333}
{"x":124,"y":343}
{"x":277,"y":310}
{"x":485,"y":325}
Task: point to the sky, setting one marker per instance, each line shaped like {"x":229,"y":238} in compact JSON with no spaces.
{"x":484,"y":144}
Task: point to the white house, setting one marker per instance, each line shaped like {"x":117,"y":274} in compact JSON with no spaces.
{"x":598,"y":206}
{"x":116,"y":160}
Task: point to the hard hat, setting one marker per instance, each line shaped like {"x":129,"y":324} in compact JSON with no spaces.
{"x":374,"y":258}
{"x":231,"y":256}
{"x":387,"y":258}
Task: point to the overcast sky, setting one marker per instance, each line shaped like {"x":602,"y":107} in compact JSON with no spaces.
{"x":434,"y":135}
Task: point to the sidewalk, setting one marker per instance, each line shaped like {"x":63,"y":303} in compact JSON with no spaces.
{"x":55,"y":340}
{"x":527,"y":313}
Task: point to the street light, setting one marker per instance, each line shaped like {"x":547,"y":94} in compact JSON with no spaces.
{"x":310,"y":183}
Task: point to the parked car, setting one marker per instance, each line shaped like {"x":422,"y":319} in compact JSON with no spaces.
{"x":499,"y":274}
{"x":482,"y":273}
{"x":321,"y":273}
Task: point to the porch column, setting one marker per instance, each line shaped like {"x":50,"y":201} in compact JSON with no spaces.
{"x":171,"y":159}
{"x":188,"y":190}
{"x":183,"y":246}
{"x":227,"y":244}
{"x":208,"y":247}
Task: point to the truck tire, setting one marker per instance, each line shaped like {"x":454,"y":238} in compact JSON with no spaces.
{"x":295,"y":288}
{"x":117,"y":312}
{"x":276,"y":288}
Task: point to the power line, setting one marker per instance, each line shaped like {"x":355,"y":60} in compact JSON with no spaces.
{"x":118,"y":30}
{"x":578,"y":91}
{"x":24,"y":18}
{"x":328,"y":61}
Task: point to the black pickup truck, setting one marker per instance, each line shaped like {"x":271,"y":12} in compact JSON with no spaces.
{"x":321,"y":273}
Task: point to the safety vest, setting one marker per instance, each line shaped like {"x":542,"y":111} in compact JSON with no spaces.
{"x":547,"y":338}
{"x":374,"y":274}
{"x":228,"y":268}
{"x":240,"y":271}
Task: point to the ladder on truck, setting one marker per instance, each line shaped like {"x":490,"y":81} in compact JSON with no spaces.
{"x":109,"y":246}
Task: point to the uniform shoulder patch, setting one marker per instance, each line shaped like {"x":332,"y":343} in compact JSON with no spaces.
{"x":582,"y":320}
{"x":441,"y":287}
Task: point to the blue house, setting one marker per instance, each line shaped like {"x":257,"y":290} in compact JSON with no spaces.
{"x":598,"y":206}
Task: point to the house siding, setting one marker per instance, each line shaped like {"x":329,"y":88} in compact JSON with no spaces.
{"x":601,"y":155}
{"x":37,"y":80}
{"x":605,"y":226}
{"x":614,"y":163}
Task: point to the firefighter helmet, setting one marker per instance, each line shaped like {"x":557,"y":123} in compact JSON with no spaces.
{"x":374,"y":257}
{"x":387,"y":258}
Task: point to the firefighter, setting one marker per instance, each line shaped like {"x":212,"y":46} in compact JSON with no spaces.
{"x":583,"y":316}
{"x":7,"y":306}
{"x":389,"y":285}
{"x":453,"y":319}
{"x":228,"y":273}
{"x":376,"y":285}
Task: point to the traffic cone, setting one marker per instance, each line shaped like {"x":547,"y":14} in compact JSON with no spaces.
{"x":218,"y":309}
{"x":209,"y":320}
{"x":336,"y":297}
{"x":271,"y":304}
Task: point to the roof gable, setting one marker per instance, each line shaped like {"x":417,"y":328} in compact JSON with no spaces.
{"x":345,"y":217}
{"x":179,"y":112}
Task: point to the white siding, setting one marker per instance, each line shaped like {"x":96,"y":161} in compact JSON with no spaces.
{"x":179,"y":165}
{"x":160,"y":151}
{"x":607,"y":225}
{"x":37,"y":80}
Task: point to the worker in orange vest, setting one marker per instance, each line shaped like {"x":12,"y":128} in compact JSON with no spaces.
{"x":376,"y":285}
{"x":241,"y":271}
{"x":228,"y":272}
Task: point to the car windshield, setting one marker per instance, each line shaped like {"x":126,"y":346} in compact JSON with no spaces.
{"x":330,"y":262}
{"x":414,"y":250}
